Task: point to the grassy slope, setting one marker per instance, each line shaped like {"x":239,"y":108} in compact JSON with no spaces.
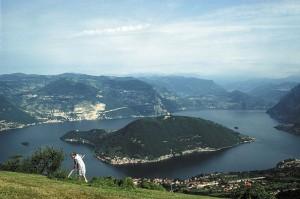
{"x":18,"y":185}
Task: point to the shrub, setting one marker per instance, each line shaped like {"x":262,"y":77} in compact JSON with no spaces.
{"x":13,"y":164}
{"x":255,"y":191}
{"x":44,"y":161}
{"x":127,"y":183}
{"x":104,"y":181}
{"x":151,"y":185}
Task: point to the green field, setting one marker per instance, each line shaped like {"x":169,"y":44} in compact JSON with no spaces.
{"x":19,"y":185}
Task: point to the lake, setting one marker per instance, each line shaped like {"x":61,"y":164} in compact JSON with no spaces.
{"x":270,"y":147}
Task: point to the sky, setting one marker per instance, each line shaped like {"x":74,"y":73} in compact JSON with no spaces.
{"x":244,"y":38}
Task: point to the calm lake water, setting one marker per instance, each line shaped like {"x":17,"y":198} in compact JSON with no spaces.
{"x":270,"y":146}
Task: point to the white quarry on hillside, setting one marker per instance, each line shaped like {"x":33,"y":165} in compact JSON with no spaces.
{"x":88,"y":111}
{"x":59,"y":113}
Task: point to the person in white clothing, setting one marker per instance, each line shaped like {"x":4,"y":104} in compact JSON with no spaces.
{"x":79,"y":165}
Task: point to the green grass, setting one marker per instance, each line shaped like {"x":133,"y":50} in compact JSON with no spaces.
{"x":19,"y":185}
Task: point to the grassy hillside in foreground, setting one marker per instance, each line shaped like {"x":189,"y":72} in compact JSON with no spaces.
{"x":19,"y":185}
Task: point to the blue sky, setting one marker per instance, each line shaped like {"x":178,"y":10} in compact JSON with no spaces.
{"x":205,"y":37}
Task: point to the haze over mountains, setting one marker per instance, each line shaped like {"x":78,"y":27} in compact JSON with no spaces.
{"x":230,"y":94}
{"x":271,"y":90}
{"x":287,"y":110}
{"x":11,"y":113}
{"x":69,"y":97}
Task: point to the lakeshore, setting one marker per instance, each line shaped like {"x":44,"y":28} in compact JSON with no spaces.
{"x":118,"y":161}
{"x":271,"y":143}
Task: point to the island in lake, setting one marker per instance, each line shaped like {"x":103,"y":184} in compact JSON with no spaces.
{"x":155,"y":139}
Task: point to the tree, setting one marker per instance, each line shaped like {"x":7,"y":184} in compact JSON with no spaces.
{"x":127,"y":183}
{"x":44,"y":161}
{"x":253,"y":191}
{"x":13,"y":164}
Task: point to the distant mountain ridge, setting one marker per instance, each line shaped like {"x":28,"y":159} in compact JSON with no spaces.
{"x":67,"y":87}
{"x":12,"y":113}
{"x":268,"y":90}
{"x":12,"y":116}
{"x":74,"y":97}
{"x":250,"y":84}
{"x":288,"y":111}
{"x":272,"y":92}
{"x":194,"y":93}
{"x":53,"y":98}
{"x":245,"y":101}
{"x":155,"y":139}
{"x":186,"y":86}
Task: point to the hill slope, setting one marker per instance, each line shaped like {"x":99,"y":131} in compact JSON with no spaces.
{"x":28,"y":186}
{"x":186,"y":86}
{"x":159,"y":138}
{"x":194,"y":93}
{"x":272,"y":93}
{"x":288,"y":111}
{"x":241,"y":100}
{"x":69,"y":97}
{"x":68,"y":87}
{"x":11,"y":113}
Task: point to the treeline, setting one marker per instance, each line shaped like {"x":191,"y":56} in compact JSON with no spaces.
{"x":48,"y":161}
{"x":45,"y":161}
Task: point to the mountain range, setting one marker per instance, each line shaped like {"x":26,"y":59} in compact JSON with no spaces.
{"x":72,"y":97}
{"x":269,"y":90}
{"x":11,"y":115}
{"x":287,"y":111}
{"x":194,"y":93}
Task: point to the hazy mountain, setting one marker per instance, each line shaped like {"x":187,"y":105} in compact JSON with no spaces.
{"x":186,"y":86}
{"x":82,"y":97}
{"x":71,"y":96}
{"x":154,"y":139}
{"x":194,"y":93}
{"x":288,"y":111}
{"x":68,"y":87}
{"x":240,"y":100}
{"x":11,"y":113}
{"x":251,"y":84}
{"x":272,"y":92}
{"x":268,"y":90}
{"x":14,"y":86}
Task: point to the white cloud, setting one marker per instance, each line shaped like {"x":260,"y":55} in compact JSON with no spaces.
{"x":114,"y":30}
{"x":255,"y":38}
